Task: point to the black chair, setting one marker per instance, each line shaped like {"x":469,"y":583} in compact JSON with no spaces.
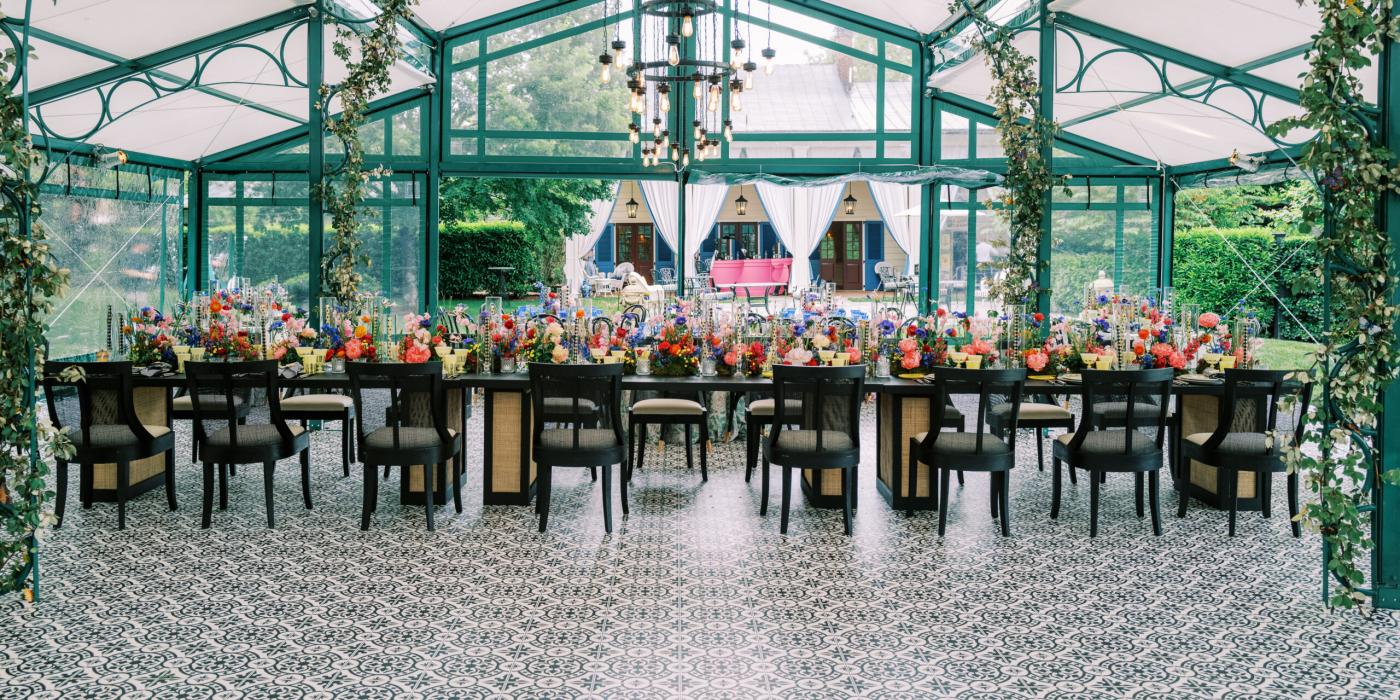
{"x":829,"y":436}
{"x":1036,"y":415}
{"x":325,"y":407}
{"x":182,"y":408}
{"x":980,"y":451}
{"x":239,"y":442}
{"x":1259,"y":451}
{"x":1124,"y":449}
{"x":108,"y":432}
{"x":578,"y":445}
{"x":415,"y":431}
{"x":663,"y":412}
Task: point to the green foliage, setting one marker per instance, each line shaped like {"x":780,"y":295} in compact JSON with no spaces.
{"x":29,"y":282}
{"x":1278,"y":207}
{"x":549,"y":210}
{"x":342,"y":191}
{"x":1353,"y":169}
{"x":468,"y":249}
{"x":1209,"y":270}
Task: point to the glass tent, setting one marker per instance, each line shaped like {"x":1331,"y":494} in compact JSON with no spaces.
{"x":211,"y":107}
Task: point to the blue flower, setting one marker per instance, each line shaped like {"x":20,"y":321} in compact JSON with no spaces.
{"x":921,"y":333}
{"x":1103,"y":298}
{"x":680,"y":321}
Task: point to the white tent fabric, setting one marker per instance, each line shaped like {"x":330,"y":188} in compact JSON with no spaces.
{"x":663,"y":201}
{"x":800,"y":215}
{"x":899,"y":207}
{"x":577,"y":246}
{"x":702,"y":206}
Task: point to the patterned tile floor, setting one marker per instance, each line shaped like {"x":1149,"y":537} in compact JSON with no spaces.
{"x":694,"y":596}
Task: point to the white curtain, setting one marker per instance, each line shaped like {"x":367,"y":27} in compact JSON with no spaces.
{"x":577,"y":246}
{"x":899,"y":206}
{"x":800,"y":215}
{"x":702,"y":205}
{"x":663,"y":199}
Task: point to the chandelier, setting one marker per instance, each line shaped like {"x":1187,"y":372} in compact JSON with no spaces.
{"x":679,"y":74}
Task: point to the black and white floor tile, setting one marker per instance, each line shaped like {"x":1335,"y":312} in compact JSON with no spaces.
{"x":694,"y":595}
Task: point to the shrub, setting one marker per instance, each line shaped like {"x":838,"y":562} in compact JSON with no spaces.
{"x":467,"y":249}
{"x":1209,"y":269}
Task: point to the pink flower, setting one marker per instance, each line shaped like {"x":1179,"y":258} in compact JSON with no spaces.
{"x":908,"y":345}
{"x":417,"y":352}
{"x":980,"y":347}
{"x":353,"y":349}
{"x":854,"y":356}
{"x":1036,"y":361}
{"x":1177,"y":360}
{"x":798,"y":356}
{"x":279,"y":353}
{"x":910,"y":360}
{"x":559,"y":355}
{"x":731,"y":358}
{"x":1208,"y":320}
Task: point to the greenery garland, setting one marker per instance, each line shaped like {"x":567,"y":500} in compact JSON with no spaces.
{"x":29,"y":281}
{"x":343,"y":190}
{"x":1359,"y":359}
{"x":1025,"y":138}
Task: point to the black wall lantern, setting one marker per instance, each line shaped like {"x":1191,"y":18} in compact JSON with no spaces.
{"x":850,"y":201}
{"x":632,"y":206}
{"x":741,"y":205}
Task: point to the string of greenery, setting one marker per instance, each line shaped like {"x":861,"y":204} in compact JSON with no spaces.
{"x":1025,"y":138}
{"x":343,"y":189}
{"x":29,"y":281}
{"x":1359,"y":358}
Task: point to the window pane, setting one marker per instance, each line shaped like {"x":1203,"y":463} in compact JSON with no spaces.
{"x":898,"y":96}
{"x":555,"y":87}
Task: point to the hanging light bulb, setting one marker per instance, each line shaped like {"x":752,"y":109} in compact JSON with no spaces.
{"x":698,"y":89}
{"x":675,"y":153}
{"x":700,"y":155}
{"x":619,"y":49}
{"x":605,"y":73}
{"x":633,"y":133}
{"x":665,"y":92}
{"x":688,"y":23}
{"x":729,"y":131}
{"x":656,"y":128}
{"x":673,"y":54}
{"x":736,"y":55}
{"x":736,"y":87}
{"x":665,"y":139}
{"x":749,"y":68}
{"x":768,"y":55}
{"x":697,"y":130}
{"x":685,"y":158}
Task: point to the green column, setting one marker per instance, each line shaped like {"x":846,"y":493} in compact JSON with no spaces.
{"x":438,"y":104}
{"x":1047,"y":152}
{"x":196,"y":256}
{"x":1117,"y":235}
{"x":1385,"y":574}
{"x":1166,"y":229}
{"x":315,"y":165}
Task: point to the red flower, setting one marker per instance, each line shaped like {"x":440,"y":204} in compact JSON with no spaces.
{"x":286,"y":317}
{"x":665,"y":345}
{"x":1142,"y":333}
{"x":1039,"y":317}
{"x":530,"y":333}
{"x":942,"y":313}
{"x":911,"y":331}
{"x":495,"y":337}
{"x":622,"y":332}
{"x":552,"y":295}
{"x":509,"y":322}
{"x":437,"y":339}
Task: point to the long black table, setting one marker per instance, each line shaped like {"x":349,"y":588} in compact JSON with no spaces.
{"x":903,"y":410}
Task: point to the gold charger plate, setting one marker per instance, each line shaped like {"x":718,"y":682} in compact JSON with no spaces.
{"x":911,"y":375}
{"x":1042,"y":377}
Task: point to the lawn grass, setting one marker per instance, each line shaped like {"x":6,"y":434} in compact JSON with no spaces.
{"x":1286,"y":354}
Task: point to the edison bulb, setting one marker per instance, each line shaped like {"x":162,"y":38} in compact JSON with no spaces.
{"x":665,"y":139}
{"x":748,"y":81}
{"x":665,"y":103}
{"x":685,"y":159}
{"x":605,"y":75}
{"x":633,"y":136}
{"x":675,"y":153}
{"x":687,"y":25}
{"x":673,"y":56}
{"x":734,"y":104}
{"x":697,"y":90}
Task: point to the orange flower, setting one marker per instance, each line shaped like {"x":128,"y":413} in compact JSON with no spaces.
{"x":360,"y":331}
{"x":215,"y":306}
{"x":578,"y":314}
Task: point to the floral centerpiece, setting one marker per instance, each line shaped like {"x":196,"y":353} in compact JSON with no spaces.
{"x":544,"y":342}
{"x":421,"y":338}
{"x":226,"y":341}
{"x":924,"y":345}
{"x":348,"y":341}
{"x":676,"y":351}
{"x":149,"y":338}
{"x":291,"y":330}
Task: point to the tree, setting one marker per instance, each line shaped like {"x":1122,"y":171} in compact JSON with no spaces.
{"x":550,"y":210}
{"x":1277,"y":206}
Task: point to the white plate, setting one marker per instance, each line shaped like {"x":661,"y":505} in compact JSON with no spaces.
{"x":1071,"y":377}
{"x":1198,"y":379}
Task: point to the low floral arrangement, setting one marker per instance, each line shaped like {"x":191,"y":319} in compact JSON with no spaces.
{"x":545,"y":342}
{"x":348,"y":340}
{"x":291,"y":332}
{"x":225,"y":341}
{"x":421,"y":338}
{"x":676,"y":353}
{"x":149,"y":338}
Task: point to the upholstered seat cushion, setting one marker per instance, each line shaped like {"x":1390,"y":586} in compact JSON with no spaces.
{"x":667,"y":407}
{"x":1105,"y":442}
{"x":1118,"y":410}
{"x":255,"y":435}
{"x":1245,"y":444}
{"x":588,"y":439}
{"x":111,"y":435}
{"x":317,"y":402}
{"x":791,"y":441}
{"x":558,"y":405}
{"x":409,"y":438}
{"x":1032,"y":412}
{"x":965,"y":444}
{"x":208,"y":402}
{"x":766,"y":407}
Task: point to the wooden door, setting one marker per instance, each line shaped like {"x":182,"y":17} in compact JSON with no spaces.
{"x":828,"y":250}
{"x":852,"y":260}
{"x":635,"y":245}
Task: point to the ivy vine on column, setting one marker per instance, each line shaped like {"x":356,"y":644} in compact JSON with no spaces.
{"x":1359,"y":358}
{"x":1025,"y":133}
{"x":343,"y":189}
{"x":29,"y":281}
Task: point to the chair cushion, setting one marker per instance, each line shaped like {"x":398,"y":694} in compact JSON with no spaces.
{"x":588,"y":439}
{"x":1103,"y":442}
{"x":255,"y":435}
{"x":965,"y":443}
{"x":1033,"y":411}
{"x":558,"y":405}
{"x":766,"y":407}
{"x":667,"y":407}
{"x":1118,"y":410}
{"x":409,"y":438}
{"x":112,"y":435}
{"x":791,"y":441}
{"x":208,"y":402}
{"x":1245,"y":443}
{"x":317,"y":402}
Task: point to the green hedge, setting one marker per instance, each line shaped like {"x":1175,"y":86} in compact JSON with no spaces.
{"x":468,"y":249}
{"x":1209,"y":270}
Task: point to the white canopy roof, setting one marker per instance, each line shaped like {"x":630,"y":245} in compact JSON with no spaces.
{"x":1233,"y":67}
